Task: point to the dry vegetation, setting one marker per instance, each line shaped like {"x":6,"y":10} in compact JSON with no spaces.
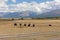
{"x":41,"y":31}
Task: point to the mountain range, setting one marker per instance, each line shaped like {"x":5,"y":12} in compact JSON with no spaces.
{"x":30,"y":14}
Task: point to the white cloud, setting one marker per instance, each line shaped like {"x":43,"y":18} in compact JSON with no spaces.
{"x":39,"y":7}
{"x":14,"y":1}
{"x":2,"y":3}
{"x":3,"y":6}
{"x":32,"y":6}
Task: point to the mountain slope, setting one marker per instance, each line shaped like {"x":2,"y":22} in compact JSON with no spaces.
{"x":26,"y":14}
{"x":54,"y":13}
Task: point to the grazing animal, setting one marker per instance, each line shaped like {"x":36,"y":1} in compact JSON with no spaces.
{"x":15,"y":24}
{"x":20,"y":24}
{"x":33,"y":25}
{"x":24,"y":24}
{"x":50,"y":25}
{"x":28,"y":25}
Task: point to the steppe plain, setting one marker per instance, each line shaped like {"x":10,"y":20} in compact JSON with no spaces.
{"x":41,"y":31}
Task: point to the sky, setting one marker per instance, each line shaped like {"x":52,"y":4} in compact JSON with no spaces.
{"x":20,"y":1}
{"x":39,"y":6}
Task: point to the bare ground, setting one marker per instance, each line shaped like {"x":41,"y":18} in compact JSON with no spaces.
{"x":41,"y":31}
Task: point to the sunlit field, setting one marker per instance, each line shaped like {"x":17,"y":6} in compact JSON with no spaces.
{"x":42,"y":30}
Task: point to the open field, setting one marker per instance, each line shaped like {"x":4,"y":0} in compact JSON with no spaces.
{"x":41,"y":31}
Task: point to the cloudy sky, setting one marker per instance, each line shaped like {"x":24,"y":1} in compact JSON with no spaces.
{"x":39,"y":6}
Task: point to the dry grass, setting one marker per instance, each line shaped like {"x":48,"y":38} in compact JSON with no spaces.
{"x":42,"y":26}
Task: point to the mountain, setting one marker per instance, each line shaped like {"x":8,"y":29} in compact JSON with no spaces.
{"x":24,"y":14}
{"x":54,"y":13}
{"x":30,"y":14}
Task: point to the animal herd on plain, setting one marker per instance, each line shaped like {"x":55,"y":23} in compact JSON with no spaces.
{"x":28,"y":25}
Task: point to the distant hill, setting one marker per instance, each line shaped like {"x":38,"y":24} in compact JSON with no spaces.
{"x":54,"y":13}
{"x":24,"y":14}
{"x":30,"y":14}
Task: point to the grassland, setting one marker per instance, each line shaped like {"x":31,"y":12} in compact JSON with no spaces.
{"x":41,"y":31}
